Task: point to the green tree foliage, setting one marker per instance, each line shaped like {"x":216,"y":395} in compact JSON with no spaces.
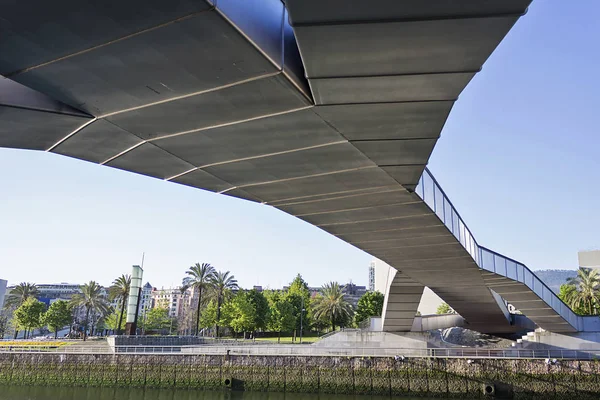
{"x":93,"y":300}
{"x":208,"y":319}
{"x":298,"y":294}
{"x":199,"y":278}
{"x":158,"y":319}
{"x":281,"y":314}
{"x":112,"y":322}
{"x":29,"y":314}
{"x":20,"y":293}
{"x":369,"y":305}
{"x":586,"y":296}
{"x":444,"y":308}
{"x":59,"y":315}
{"x":120,"y":291}
{"x":239,"y":313}
{"x":261,"y":308}
{"x":333,"y":305}
{"x":320,"y":323}
{"x":222,"y":284}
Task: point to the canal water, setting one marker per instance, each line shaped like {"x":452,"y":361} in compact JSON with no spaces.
{"x":79,"y":393}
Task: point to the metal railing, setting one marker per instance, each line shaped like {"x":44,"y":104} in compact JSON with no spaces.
{"x":290,"y":350}
{"x":432,"y":194}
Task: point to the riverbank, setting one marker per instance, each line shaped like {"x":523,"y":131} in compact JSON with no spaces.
{"x":521,"y":379}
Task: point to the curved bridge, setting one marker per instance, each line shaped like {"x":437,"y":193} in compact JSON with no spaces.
{"x":325,"y":109}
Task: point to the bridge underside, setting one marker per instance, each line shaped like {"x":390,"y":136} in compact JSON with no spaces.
{"x":327,"y":110}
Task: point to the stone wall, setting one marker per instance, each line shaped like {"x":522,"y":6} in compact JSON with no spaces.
{"x":521,"y":379}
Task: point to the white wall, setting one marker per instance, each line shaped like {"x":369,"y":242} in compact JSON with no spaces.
{"x":589,"y":258}
{"x":384,"y":274}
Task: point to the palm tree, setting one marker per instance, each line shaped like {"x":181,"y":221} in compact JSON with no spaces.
{"x":332,"y":305}
{"x":120,"y":291}
{"x":200,"y":275}
{"x":93,"y":299}
{"x":587,"y":294}
{"x":222,"y":284}
{"x":20,"y":293}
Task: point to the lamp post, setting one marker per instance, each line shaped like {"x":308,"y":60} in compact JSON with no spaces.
{"x":301,"y":318}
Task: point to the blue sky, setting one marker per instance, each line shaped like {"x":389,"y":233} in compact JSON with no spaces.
{"x":519,"y":158}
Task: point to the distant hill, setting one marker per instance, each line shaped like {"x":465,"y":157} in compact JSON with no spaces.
{"x":555,"y":277}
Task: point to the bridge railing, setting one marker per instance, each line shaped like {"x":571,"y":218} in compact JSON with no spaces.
{"x":284,"y":350}
{"x":430,"y":191}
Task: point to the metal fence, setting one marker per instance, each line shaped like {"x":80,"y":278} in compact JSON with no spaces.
{"x":297,"y":350}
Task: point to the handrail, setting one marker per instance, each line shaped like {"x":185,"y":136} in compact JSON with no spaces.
{"x":285,"y":350}
{"x":445,"y":210}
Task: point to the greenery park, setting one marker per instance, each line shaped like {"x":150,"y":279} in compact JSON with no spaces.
{"x":216,"y":307}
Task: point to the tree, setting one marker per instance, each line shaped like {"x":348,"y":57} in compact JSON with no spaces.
{"x":444,"y":308}
{"x":369,"y":305}
{"x":59,"y":315}
{"x":200,"y":276}
{"x":298,"y":295}
{"x":333,"y":305}
{"x":158,"y":319}
{"x":93,"y":300}
{"x":222,"y":284}
{"x":29,"y":314}
{"x":120,"y":291}
{"x":587,"y":293}
{"x":113,"y":322}
{"x":20,"y":293}
{"x":322,"y":322}
{"x":239,"y":313}
{"x":261,"y":308}
{"x":281,"y":314}
{"x":208,"y":319}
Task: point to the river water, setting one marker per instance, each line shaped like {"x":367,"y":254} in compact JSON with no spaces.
{"x":78,"y":393}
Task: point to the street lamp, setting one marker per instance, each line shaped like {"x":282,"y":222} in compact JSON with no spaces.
{"x":301,"y":317}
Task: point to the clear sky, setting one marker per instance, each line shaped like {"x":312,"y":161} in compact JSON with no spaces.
{"x":519,"y":157}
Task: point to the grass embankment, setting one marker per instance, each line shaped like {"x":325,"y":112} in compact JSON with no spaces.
{"x":25,"y":345}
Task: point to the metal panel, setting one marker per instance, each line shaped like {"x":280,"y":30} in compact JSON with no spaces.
{"x":202,"y":180}
{"x":321,"y":187}
{"x":17,"y":95}
{"x":97,"y":142}
{"x":155,"y":66}
{"x":349,"y":201}
{"x":263,"y":136}
{"x":261,"y":21}
{"x":397,"y":152}
{"x":451,"y":45}
{"x":249,"y":100}
{"x":367,"y":214}
{"x":388,"y":121}
{"x":381,"y":89}
{"x":22,"y":128}
{"x":50,"y":30}
{"x":298,"y":164}
{"x":329,"y":11}
{"x":150,"y":160}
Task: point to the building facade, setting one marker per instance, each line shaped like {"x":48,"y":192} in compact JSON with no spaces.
{"x":589,"y":259}
{"x":173,"y":299}
{"x":3,"y":285}
{"x":372,"y":276}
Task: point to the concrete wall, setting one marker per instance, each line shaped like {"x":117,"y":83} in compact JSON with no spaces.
{"x":384,"y":274}
{"x":574,"y":341}
{"x":522,"y":379}
{"x":366,"y":339}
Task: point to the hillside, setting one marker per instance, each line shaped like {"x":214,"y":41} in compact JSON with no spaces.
{"x":555,"y":277}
